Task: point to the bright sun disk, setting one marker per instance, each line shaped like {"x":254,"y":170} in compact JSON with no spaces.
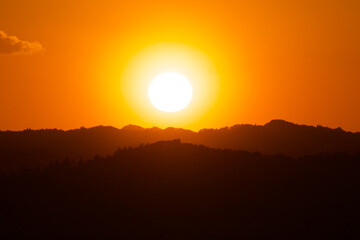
{"x":170,"y":92}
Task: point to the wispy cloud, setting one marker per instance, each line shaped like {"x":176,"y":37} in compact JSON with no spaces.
{"x":13,"y":45}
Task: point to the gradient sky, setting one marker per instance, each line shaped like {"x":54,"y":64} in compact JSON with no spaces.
{"x":68,"y":61}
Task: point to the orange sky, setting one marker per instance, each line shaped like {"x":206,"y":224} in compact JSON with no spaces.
{"x":295,"y":60}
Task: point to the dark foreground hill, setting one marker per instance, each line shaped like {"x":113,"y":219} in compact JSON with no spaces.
{"x":170,"y":190}
{"x":32,"y":148}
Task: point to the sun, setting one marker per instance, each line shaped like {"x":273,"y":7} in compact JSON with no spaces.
{"x":170,"y":92}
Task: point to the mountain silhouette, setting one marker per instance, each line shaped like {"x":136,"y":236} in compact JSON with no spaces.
{"x":37,"y":148}
{"x":174,"y":190}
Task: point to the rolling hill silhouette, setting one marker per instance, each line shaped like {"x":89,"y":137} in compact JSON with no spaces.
{"x":173,"y":190}
{"x":36,"y":148}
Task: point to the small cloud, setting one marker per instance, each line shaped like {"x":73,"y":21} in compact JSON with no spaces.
{"x":13,"y":45}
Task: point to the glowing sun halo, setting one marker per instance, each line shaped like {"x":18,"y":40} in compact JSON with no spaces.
{"x":170,"y":92}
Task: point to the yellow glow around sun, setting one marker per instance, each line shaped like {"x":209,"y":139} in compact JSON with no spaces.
{"x":128,"y":87}
{"x":150,"y":64}
{"x":170,"y":92}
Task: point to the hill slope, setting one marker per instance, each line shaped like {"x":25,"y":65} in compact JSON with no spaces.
{"x":38,"y":147}
{"x":171,"y":190}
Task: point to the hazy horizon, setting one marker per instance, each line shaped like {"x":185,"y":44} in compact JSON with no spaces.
{"x":163,"y":128}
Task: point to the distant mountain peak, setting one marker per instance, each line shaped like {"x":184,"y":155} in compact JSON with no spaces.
{"x":131,"y":127}
{"x":279,"y":123}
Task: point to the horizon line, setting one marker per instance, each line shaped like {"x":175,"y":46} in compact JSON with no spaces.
{"x":187,"y":129}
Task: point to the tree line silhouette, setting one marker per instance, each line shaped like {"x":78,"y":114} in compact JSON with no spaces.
{"x":37,"y":148}
{"x":174,"y":190}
